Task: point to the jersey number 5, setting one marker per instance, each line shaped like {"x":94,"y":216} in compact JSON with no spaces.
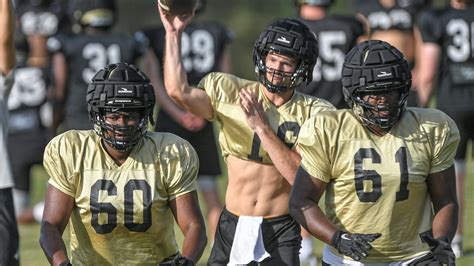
{"x":108,"y":209}
{"x":362,"y":175}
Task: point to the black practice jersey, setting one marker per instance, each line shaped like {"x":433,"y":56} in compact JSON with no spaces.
{"x":202,"y":47}
{"x":85,"y":55}
{"x":336,"y":36}
{"x":399,"y":17}
{"x":453,"y":30}
{"x":44,"y":20}
{"x":29,"y":110}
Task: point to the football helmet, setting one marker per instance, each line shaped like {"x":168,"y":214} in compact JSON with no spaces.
{"x":120,"y":87}
{"x":376,"y":67}
{"x":324,"y":3}
{"x":292,"y":38}
{"x":93,"y":13}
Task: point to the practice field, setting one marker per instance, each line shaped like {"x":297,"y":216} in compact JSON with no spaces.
{"x":31,"y":253}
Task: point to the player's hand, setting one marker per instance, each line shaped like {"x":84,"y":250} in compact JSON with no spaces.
{"x":192,"y":122}
{"x":441,"y":249}
{"x":253,"y":110}
{"x":173,"y":23}
{"x":177,"y":261}
{"x":355,"y":246}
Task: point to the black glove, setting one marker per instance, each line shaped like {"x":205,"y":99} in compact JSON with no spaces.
{"x":355,"y":246}
{"x":440,"y":248}
{"x":177,"y":261}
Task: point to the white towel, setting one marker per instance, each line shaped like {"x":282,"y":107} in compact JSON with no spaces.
{"x":248,"y":241}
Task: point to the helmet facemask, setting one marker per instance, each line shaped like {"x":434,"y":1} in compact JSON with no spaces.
{"x":376,"y":68}
{"x":383,"y":114}
{"x":121,"y":91}
{"x":269,"y":76}
{"x":122,"y":137}
{"x":288,"y":37}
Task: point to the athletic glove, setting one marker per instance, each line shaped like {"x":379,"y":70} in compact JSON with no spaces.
{"x":177,"y":261}
{"x":355,"y":246}
{"x":440,"y":248}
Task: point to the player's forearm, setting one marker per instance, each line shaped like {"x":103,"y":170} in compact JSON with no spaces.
{"x":445,"y":221}
{"x":7,"y":29}
{"x":176,"y":82}
{"x":307,"y":213}
{"x":284,"y":159}
{"x":194,"y":243}
{"x":52,"y":244}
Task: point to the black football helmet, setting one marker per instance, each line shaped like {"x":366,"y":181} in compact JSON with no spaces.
{"x":375,"y":67}
{"x":93,"y":13}
{"x":292,"y":38}
{"x":120,"y":87}
{"x":324,"y":3}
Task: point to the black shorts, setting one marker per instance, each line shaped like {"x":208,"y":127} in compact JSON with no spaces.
{"x":8,"y":229}
{"x":203,"y":141}
{"x":281,"y":237}
{"x":26,"y":150}
{"x":466,"y":130}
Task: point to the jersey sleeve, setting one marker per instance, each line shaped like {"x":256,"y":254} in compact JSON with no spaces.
{"x":314,"y":154}
{"x":56,"y":165}
{"x":183,"y":169}
{"x":429,"y":26}
{"x":446,"y":139}
{"x":209,"y":84}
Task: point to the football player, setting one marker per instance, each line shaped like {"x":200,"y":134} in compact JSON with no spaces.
{"x":30,"y":120}
{"x":38,"y":20}
{"x":447,"y":63}
{"x":336,"y":36}
{"x":393,"y":21}
{"x":76,"y":57}
{"x":384,"y":168}
{"x":258,"y":126}
{"x":205,"y":49}
{"x":120,"y":185}
{"x":8,"y":227}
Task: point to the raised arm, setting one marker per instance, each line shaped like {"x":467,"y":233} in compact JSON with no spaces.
{"x":176,"y":83}
{"x":7,"y":29}
{"x":180,"y":115}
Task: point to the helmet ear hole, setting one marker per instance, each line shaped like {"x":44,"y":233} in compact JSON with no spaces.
{"x":292,"y":38}
{"x":375,"y":67}
{"x":115,"y":88}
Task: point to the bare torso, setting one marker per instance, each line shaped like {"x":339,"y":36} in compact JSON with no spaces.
{"x":255,"y":189}
{"x":403,"y":40}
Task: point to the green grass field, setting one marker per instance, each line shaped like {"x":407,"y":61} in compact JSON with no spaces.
{"x":31,"y":253}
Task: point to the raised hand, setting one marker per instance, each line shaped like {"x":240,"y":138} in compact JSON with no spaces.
{"x":173,"y":23}
{"x":253,"y":110}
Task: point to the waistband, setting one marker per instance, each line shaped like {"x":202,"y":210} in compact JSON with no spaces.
{"x":268,"y":220}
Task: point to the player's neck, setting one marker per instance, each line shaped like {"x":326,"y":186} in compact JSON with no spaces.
{"x":310,"y":12}
{"x":378,"y":131}
{"x":387,"y":3}
{"x":118,"y":156}
{"x":278,"y":98}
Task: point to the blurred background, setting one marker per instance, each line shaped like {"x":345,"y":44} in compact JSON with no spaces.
{"x":246,"y":19}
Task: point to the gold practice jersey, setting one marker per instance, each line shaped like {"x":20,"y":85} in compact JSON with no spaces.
{"x":121,"y":214}
{"x":235,"y":136}
{"x":378,"y":184}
